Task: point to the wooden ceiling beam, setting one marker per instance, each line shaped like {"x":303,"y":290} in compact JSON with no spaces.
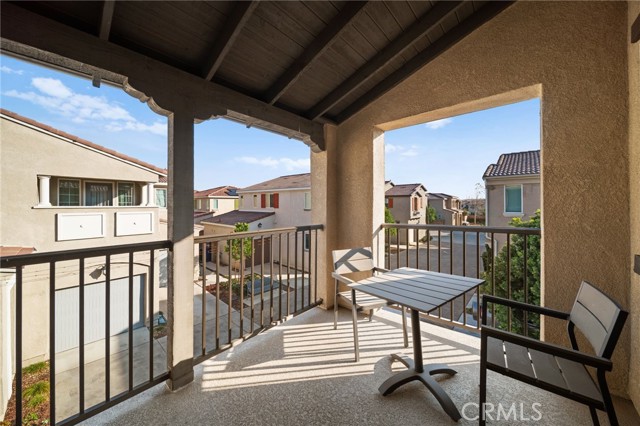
{"x":106,"y":18}
{"x":319,"y":45}
{"x":163,"y":87}
{"x":235,"y":22}
{"x":444,"y":43}
{"x":419,"y":29}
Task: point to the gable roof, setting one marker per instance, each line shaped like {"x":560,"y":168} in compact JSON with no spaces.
{"x":441,"y":195}
{"x":404,"y":190}
{"x":235,"y":216}
{"x":218,"y":191}
{"x":64,"y":135}
{"x":525,"y":163}
{"x":300,"y":181}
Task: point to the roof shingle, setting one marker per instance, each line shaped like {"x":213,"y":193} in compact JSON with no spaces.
{"x":515,"y":164}
{"x":218,"y":191}
{"x":300,"y":181}
{"x":404,"y":190}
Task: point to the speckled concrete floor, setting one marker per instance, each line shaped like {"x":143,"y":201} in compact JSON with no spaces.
{"x":302,"y":373}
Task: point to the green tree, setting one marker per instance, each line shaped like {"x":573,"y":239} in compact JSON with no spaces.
{"x":236,"y":243}
{"x":431,"y":215}
{"x":517,"y":271}
{"x":388,"y":218}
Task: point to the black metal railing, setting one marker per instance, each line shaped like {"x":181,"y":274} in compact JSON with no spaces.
{"x":253,"y":280}
{"x":73,"y":266}
{"x":507,"y":258}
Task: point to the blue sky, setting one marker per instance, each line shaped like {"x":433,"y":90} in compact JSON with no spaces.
{"x":447,"y":156}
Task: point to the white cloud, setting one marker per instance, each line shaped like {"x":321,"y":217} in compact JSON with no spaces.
{"x":412,"y":151}
{"x":54,"y":96}
{"x":439,"y":123}
{"x":287,"y":163}
{"x":8,"y":70}
{"x":389,"y":148}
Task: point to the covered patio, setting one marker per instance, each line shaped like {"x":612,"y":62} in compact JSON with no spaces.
{"x":337,"y":75}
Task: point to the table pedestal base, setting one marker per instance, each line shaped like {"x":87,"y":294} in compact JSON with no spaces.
{"x":424,"y":376}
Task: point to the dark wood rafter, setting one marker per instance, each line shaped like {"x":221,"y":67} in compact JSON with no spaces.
{"x":236,"y":21}
{"x":448,"y":40}
{"x":319,"y":45}
{"x":635,"y":30}
{"x":106,"y":18}
{"x":33,"y":36}
{"x":404,"y":41}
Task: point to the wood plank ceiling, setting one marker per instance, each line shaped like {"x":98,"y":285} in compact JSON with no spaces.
{"x":321,"y":60}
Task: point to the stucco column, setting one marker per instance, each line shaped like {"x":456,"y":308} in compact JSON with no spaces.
{"x":180,"y":213}
{"x":151,"y":195}
{"x":44,"y":183}
{"x":145,"y":198}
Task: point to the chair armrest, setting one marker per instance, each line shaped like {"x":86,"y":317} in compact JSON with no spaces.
{"x":549,"y":348}
{"x":342,"y":278}
{"x":383,"y":270}
{"x":487,"y":298}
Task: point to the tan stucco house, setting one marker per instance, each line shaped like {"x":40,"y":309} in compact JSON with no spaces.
{"x":407,"y":204}
{"x":448,"y":208}
{"x":513,"y":187}
{"x":61,"y":192}
{"x":218,"y":200}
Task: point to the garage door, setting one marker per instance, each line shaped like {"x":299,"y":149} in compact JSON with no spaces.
{"x":68,"y":314}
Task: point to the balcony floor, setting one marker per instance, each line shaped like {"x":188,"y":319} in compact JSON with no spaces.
{"x":302,"y":372}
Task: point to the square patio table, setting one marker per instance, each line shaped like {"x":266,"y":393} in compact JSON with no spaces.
{"x":420,"y":291}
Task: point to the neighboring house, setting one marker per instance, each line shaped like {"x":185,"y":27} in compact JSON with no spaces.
{"x":474,"y":206}
{"x":219,"y":200}
{"x":512,"y":187}
{"x":407,"y":203}
{"x":60,"y":192}
{"x":448,"y":208}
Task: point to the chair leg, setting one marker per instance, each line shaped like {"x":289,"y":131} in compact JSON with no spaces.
{"x":354,"y":312}
{"x":594,"y":416}
{"x":606,"y":398}
{"x":404,"y":328}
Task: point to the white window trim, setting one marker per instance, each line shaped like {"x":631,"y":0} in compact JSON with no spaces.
{"x":504,"y":202}
{"x":114,"y":194}
{"x":80,"y":192}
{"x":133,"y":198}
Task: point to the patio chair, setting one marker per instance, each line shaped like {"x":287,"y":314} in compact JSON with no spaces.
{"x":358,"y":260}
{"x":554,"y":368}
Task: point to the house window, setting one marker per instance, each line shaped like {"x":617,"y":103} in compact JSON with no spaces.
{"x":416,"y":205}
{"x":270,"y":200}
{"x":68,"y":192}
{"x":125,"y":194}
{"x":255,"y":200}
{"x":214,"y":202}
{"x":307,"y":201}
{"x":307,"y":241}
{"x":98,"y":194}
{"x":513,"y":199}
{"x":161,"y":198}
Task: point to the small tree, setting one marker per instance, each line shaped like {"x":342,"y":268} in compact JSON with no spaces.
{"x":431,"y":215}
{"x":235,"y":244}
{"x":388,"y":218}
{"x":518,"y":269}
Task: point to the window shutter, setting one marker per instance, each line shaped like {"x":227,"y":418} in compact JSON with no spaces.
{"x":263,"y":200}
{"x":390,"y":202}
{"x":276,"y":200}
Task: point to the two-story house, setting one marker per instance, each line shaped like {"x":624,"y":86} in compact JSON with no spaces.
{"x":407,"y":204}
{"x":448,"y":208}
{"x":513,"y":187}
{"x":218,"y":200}
{"x":60,"y":192}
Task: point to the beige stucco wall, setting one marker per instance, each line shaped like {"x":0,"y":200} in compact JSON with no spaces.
{"x":495,"y":200}
{"x":290,"y":211}
{"x":574,"y":56}
{"x":634,"y":179}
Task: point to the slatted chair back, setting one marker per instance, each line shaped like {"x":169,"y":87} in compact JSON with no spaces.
{"x":598,"y":317}
{"x":353,"y":260}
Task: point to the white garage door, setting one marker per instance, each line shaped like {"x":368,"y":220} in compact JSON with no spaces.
{"x":68,"y":314}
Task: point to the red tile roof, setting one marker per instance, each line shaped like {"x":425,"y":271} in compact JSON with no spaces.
{"x":219,"y":191}
{"x":515,"y":164}
{"x":81,"y":141}
{"x":300,"y":181}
